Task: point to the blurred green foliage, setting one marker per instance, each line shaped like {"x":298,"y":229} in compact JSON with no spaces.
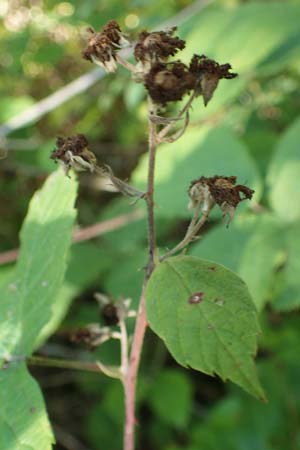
{"x":250,"y":129}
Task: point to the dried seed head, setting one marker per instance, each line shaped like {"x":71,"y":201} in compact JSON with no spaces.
{"x":157,"y":46}
{"x":220,"y":190}
{"x":103,"y":46}
{"x":208,"y":73}
{"x":169,"y":82}
{"x":73,"y":152}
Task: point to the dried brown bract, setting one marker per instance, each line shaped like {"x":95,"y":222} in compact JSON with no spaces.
{"x":103,"y":46}
{"x":220,"y":190}
{"x":157,"y":46}
{"x":72,"y":152}
{"x":92,"y":335}
{"x":169,"y":82}
{"x":208,"y":73}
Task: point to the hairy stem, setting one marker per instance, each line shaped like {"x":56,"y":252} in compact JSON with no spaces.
{"x":141,"y":321}
{"x":150,"y":190}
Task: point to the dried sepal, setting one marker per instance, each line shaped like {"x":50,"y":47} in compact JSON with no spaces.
{"x":120,"y":185}
{"x":208,"y":73}
{"x":168,"y":82}
{"x":92,"y":335}
{"x":72,"y":152}
{"x":219,"y":190}
{"x":103,"y":46}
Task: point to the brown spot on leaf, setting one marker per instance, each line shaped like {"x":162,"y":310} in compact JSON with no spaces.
{"x":212,"y":268}
{"x":33,"y":409}
{"x":196,"y":298}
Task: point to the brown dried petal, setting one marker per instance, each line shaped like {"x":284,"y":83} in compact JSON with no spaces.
{"x":208,"y":73}
{"x":102,"y":46}
{"x":73,"y":152}
{"x":223,"y":191}
{"x":169,"y":82}
{"x":157,"y":46}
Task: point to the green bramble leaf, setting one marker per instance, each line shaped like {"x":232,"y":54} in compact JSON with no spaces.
{"x":206,"y":317}
{"x":29,"y":301}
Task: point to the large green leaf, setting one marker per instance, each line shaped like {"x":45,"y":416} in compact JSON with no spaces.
{"x":284,"y":174}
{"x":23,"y":420}
{"x":29,"y":299}
{"x":206,"y":317}
{"x":200,"y":152}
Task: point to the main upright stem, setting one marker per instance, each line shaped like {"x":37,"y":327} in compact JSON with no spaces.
{"x":130,"y":379}
{"x":150,"y":190}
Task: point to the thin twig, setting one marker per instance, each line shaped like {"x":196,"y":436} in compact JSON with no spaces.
{"x":170,"y":125}
{"x":86,"y":233}
{"x":67,"y":440}
{"x":191,"y":233}
{"x":124,"y":348}
{"x":62,"y":363}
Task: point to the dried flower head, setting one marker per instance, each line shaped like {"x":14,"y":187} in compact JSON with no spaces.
{"x":73,"y":152}
{"x":103,"y":46}
{"x":169,"y":82}
{"x":220,"y":190}
{"x":157,"y":46}
{"x":208,"y":73}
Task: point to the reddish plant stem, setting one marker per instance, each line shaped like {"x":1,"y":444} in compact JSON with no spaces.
{"x":130,"y":379}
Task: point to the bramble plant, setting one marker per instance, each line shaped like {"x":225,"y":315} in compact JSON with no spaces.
{"x":202,"y":311}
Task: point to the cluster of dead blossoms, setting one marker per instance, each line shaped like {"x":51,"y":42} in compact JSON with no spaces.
{"x":166,"y":80}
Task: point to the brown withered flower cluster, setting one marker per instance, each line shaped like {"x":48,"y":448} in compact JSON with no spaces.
{"x":72,"y":152}
{"x":220,"y":190}
{"x":168,"y":81}
{"x":165,"y":80}
{"x":103,"y":46}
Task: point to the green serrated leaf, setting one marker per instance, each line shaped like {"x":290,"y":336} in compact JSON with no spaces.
{"x":23,"y":419}
{"x":284,"y":174}
{"x":206,"y":317}
{"x":29,"y":298}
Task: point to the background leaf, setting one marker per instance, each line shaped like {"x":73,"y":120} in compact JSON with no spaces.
{"x":284,"y":174}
